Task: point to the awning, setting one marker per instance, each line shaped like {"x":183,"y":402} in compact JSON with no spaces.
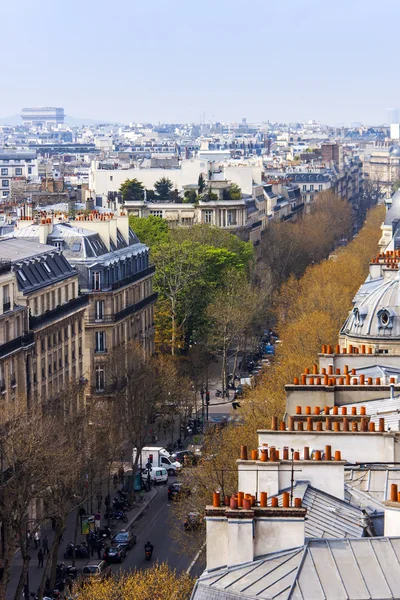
{"x":187,"y":214}
{"x":172,"y":216}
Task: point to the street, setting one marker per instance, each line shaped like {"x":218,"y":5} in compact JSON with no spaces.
{"x":152,"y":525}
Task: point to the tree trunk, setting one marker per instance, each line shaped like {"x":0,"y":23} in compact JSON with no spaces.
{"x":44,"y":577}
{"x":235,"y":362}
{"x":173,"y":332}
{"x":60,"y":528}
{"x":25,"y":564}
{"x":75,"y":534}
{"x":9,"y":548}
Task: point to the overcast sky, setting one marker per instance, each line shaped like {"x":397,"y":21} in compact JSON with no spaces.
{"x":171,"y":60}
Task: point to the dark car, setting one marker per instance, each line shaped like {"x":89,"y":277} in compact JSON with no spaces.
{"x":115,"y":553}
{"x":176,"y":491}
{"x":185,"y":457}
{"x":125,"y":539}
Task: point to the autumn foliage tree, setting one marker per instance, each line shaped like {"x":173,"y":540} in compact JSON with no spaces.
{"x":157,"y":583}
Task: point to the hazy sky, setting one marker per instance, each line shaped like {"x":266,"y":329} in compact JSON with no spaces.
{"x":171,"y":60}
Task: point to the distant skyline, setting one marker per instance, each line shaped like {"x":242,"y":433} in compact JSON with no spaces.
{"x":172,"y":60}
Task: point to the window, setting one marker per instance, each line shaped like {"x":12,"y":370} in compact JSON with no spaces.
{"x":311,"y":188}
{"x":156,"y":213}
{"x":5,"y":194}
{"x":29,"y":170}
{"x":6,"y":298}
{"x":96,"y":280}
{"x":99,"y":314}
{"x":311,"y":197}
{"x":5,"y":183}
{"x":100,"y":341}
{"x":111,"y":177}
{"x":207,"y":216}
{"x":100,"y":380}
{"x":4,"y":172}
{"x":231,"y":216}
{"x":320,"y":187}
{"x":304,"y":187}
{"x":59,"y":245}
{"x":18,"y":171}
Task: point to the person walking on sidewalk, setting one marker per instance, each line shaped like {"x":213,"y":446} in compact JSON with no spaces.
{"x":36,"y":537}
{"x":45,"y":545}
{"x":40,"y":558}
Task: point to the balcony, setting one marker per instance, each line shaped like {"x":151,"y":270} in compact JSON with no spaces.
{"x":132,"y":278}
{"x":132,"y":308}
{"x":5,"y":266}
{"x":19,"y":343}
{"x":60,"y":312}
{"x":6,"y":306}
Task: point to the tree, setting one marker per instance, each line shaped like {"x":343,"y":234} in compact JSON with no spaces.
{"x":159,"y":582}
{"x":208,"y":196}
{"x":132,"y":190}
{"x":150,"y":230}
{"x":190,"y":196}
{"x":233,"y":192}
{"x":163,"y":188}
{"x":201,"y":183}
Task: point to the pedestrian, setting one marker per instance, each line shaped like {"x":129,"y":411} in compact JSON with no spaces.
{"x":99,"y":500}
{"x":45,"y":545}
{"x":121,"y":474}
{"x":70,"y":583}
{"x":99,"y":547}
{"x":115,"y":480}
{"x":40,"y":558}
{"x":107,"y":500}
{"x":28,"y":538}
{"x":97,"y":521}
{"x":36,"y":537}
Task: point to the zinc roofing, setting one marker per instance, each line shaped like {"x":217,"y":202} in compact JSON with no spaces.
{"x":327,"y":516}
{"x":340,"y":569}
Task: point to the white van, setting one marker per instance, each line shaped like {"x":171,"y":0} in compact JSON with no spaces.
{"x":157,"y":475}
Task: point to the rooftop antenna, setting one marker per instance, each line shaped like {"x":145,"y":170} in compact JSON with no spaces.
{"x":291,"y":477}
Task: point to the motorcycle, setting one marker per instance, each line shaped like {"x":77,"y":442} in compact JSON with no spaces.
{"x":148,"y":550}
{"x":121,"y":505}
{"x":63,"y":571}
{"x":105,"y":532}
{"x":119,"y":515}
{"x":81,"y":550}
{"x":218,"y":393}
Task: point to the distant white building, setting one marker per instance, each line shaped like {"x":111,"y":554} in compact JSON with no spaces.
{"x":42,"y":115}
{"x":16,"y":166}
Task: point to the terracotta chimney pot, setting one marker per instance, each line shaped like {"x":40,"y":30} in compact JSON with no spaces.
{"x":338,"y":455}
{"x":254,"y":455}
{"x":306,"y":453}
{"x":328,"y":424}
{"x":371,"y":426}
{"x":274,"y":425}
{"x":295,"y":380}
{"x":326,"y":380}
{"x":328,"y":452}
{"x":326,"y":410}
{"x":274,"y":502}
{"x":216,"y":499}
{"x":354,"y":426}
{"x":318,"y":381}
{"x":354,"y":410}
{"x":316,"y":410}
{"x":308,"y":410}
{"x":369,"y":380}
{"x":317,"y":455}
{"x":282,"y":426}
{"x":310,"y":424}
{"x":381,"y":425}
{"x":393,"y":492}
{"x":291,"y":423}
{"x":336,"y":426}
{"x":246,"y":503}
{"x":296,"y":455}
{"x":307,"y":371}
{"x":297,"y":502}
{"x":315,"y":369}
{"x":263,"y":499}
{"x":298,"y":410}
{"x":264,"y":455}
{"x":345,"y":424}
{"x":240,"y":497}
{"x":319,"y":425}
{"x":300,"y":426}
{"x":243,"y":452}
{"x":337,"y":349}
{"x":335,"y":410}
{"x":285,"y":499}
{"x":233,"y":503}
{"x":344,"y":410}
{"x":303,"y":380}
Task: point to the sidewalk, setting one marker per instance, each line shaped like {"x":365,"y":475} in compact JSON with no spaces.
{"x":35,"y":574}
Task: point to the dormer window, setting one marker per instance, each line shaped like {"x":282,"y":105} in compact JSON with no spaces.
{"x":359,"y":315}
{"x":385,"y":318}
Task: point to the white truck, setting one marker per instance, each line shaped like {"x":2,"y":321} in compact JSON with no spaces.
{"x":158,"y":457}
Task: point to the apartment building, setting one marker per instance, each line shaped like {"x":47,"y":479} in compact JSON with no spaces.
{"x":42,"y":321}
{"x":16,"y":167}
{"x":114,"y":274}
{"x":15,"y":339}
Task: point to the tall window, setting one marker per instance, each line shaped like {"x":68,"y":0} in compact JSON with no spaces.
{"x":18,"y":171}
{"x":311,"y":188}
{"x":99,"y":310}
{"x":100,"y":341}
{"x":320,"y":187}
{"x":207,"y":216}
{"x":100,"y":379}
{"x":96,"y":280}
{"x":4,"y":172}
{"x":6,"y":297}
{"x":231,"y":217}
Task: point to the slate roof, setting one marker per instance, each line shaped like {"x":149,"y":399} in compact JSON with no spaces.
{"x":341,"y":569}
{"x":327,"y":516}
{"x":389,"y":408}
{"x":36,"y":265}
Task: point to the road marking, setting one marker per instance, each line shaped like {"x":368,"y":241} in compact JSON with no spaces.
{"x":190,"y":567}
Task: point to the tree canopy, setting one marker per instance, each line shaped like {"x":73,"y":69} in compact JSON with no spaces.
{"x":132,"y":190}
{"x":163,"y":188}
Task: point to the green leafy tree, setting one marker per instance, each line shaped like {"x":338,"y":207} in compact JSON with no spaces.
{"x":208,"y":196}
{"x":132,"y":190}
{"x":163,"y":188}
{"x":233,"y":192}
{"x":201,"y":183}
{"x":150,"y":230}
{"x":190,"y":196}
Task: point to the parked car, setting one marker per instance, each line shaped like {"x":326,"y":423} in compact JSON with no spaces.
{"x":157,"y":475}
{"x":185,"y":457}
{"x":96,"y":569}
{"x":177,"y":490}
{"x":115,"y":553}
{"x":192,"y":521}
{"x":125,"y":539}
